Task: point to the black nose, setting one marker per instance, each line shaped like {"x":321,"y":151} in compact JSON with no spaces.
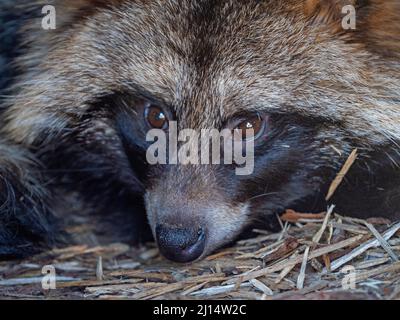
{"x":180,"y":244}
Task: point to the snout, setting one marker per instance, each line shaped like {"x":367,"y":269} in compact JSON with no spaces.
{"x":180,"y":244}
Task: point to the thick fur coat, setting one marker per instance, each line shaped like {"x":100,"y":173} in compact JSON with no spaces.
{"x":72,"y":118}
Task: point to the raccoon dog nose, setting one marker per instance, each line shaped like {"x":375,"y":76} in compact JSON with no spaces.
{"x":180,"y":244}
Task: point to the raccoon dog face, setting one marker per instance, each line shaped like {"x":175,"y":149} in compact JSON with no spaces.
{"x":310,"y":92}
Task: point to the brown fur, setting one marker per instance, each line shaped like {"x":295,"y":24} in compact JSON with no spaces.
{"x":284,"y":57}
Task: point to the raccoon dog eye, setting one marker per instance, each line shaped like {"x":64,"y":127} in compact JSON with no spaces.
{"x":256,"y":123}
{"x":156,"y":117}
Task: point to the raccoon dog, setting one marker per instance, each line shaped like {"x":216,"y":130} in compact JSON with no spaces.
{"x":85,"y":95}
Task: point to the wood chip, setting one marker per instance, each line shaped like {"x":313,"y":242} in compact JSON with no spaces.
{"x":285,"y":271}
{"x":302,"y":274}
{"x":317,"y":237}
{"x":33,"y":280}
{"x":339,"y":177}
{"x":286,"y":264}
{"x":262,"y":287}
{"x":382,"y":241}
{"x":218,"y":290}
{"x":364,"y":247}
{"x":293,"y":216}
{"x":99,"y":269}
{"x":290,"y":262}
